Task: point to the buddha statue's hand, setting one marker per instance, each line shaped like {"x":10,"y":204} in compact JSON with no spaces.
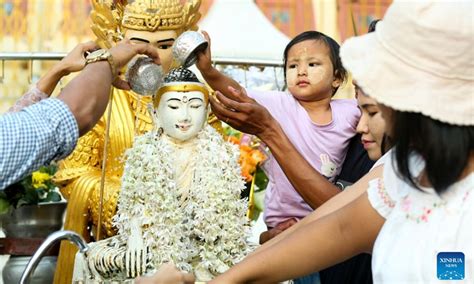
{"x":136,"y":254}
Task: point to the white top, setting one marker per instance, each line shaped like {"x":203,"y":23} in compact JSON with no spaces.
{"x":419,"y":225}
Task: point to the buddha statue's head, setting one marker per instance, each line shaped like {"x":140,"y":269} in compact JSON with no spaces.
{"x":181,"y":105}
{"x":158,"y":22}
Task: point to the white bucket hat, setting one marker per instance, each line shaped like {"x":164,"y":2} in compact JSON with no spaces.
{"x":420,"y":59}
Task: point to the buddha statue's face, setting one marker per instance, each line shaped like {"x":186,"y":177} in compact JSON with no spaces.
{"x":182,"y":114}
{"x":162,"y":40}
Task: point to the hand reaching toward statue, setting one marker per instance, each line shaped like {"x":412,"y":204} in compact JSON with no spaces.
{"x":243,"y":113}
{"x":167,"y":274}
{"x":124,"y":51}
{"x":270,"y":234}
{"x":75,"y":60}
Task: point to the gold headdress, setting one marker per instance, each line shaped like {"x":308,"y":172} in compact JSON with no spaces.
{"x":109,"y":20}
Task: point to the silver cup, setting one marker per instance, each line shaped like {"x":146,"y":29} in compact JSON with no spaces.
{"x":187,"y":46}
{"x":144,"y":76}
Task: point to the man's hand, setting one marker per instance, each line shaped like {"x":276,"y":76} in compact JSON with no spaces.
{"x":167,"y":274}
{"x":243,"y":113}
{"x":270,"y":234}
{"x":124,"y":51}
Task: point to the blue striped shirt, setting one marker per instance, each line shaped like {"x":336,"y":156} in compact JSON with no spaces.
{"x":33,"y":137}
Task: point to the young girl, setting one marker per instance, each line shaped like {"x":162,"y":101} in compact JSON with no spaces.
{"x":318,"y":126}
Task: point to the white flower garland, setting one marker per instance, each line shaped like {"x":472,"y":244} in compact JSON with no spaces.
{"x":211,"y":228}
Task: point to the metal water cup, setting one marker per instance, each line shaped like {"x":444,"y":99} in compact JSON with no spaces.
{"x":187,"y":46}
{"x":144,"y":76}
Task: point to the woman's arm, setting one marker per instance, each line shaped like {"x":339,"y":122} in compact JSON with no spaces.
{"x":337,"y":202}
{"x":73,"y":62}
{"x":325,"y":242}
{"x":245,"y":114}
{"x":217,"y":80}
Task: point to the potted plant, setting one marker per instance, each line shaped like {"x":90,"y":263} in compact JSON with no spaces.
{"x":30,"y":210}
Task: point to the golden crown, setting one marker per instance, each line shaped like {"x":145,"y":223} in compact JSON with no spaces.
{"x":110,"y":19}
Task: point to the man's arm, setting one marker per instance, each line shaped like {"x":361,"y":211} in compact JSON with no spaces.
{"x":87,"y":95}
{"x":49,"y":130}
{"x":245,"y":114}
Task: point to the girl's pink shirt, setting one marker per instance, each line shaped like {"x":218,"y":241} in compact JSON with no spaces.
{"x":323,"y":146}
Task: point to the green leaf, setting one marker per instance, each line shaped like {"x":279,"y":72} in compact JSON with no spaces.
{"x":261,"y":179}
{"x":4,"y":205}
{"x":52,"y":196}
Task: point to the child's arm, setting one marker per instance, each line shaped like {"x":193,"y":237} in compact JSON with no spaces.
{"x":215,"y":79}
{"x":327,"y":241}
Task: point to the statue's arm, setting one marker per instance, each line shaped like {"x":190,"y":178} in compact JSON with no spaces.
{"x":245,"y":114}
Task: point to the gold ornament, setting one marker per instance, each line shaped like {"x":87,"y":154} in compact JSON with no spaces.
{"x":110,"y":20}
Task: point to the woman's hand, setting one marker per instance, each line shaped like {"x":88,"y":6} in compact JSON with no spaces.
{"x":75,"y":60}
{"x":243,"y":113}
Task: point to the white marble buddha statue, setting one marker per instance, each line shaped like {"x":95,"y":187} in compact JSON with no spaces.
{"x":180,"y":196}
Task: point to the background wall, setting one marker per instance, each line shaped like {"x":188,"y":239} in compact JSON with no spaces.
{"x":58,"y":25}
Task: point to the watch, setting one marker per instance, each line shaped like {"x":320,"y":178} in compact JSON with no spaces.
{"x":101,"y":55}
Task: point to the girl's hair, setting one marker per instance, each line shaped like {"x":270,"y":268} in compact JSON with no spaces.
{"x":445,"y":148}
{"x":339,"y":70}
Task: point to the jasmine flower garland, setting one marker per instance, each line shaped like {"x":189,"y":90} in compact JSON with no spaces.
{"x":210,"y":228}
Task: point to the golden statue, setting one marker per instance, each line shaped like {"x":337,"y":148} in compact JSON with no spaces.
{"x":158,"y":22}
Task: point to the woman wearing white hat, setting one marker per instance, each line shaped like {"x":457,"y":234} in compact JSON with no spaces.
{"x":417,"y":219}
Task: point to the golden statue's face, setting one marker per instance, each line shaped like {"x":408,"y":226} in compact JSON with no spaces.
{"x":162,"y":40}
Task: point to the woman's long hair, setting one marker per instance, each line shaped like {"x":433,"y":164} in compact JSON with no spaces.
{"x":445,"y":148}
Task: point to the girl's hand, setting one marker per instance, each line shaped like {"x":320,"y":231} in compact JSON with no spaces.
{"x":204,"y":62}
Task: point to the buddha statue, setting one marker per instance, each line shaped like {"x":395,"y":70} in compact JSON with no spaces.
{"x":158,"y":22}
{"x":180,"y":195}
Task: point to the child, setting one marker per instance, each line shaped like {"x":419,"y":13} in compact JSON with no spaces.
{"x":319,"y":127}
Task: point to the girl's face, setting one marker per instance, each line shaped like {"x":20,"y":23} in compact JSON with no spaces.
{"x":309,"y":71}
{"x":371,"y":125}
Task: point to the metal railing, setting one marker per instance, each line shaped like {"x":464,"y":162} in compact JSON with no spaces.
{"x":31,"y":56}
